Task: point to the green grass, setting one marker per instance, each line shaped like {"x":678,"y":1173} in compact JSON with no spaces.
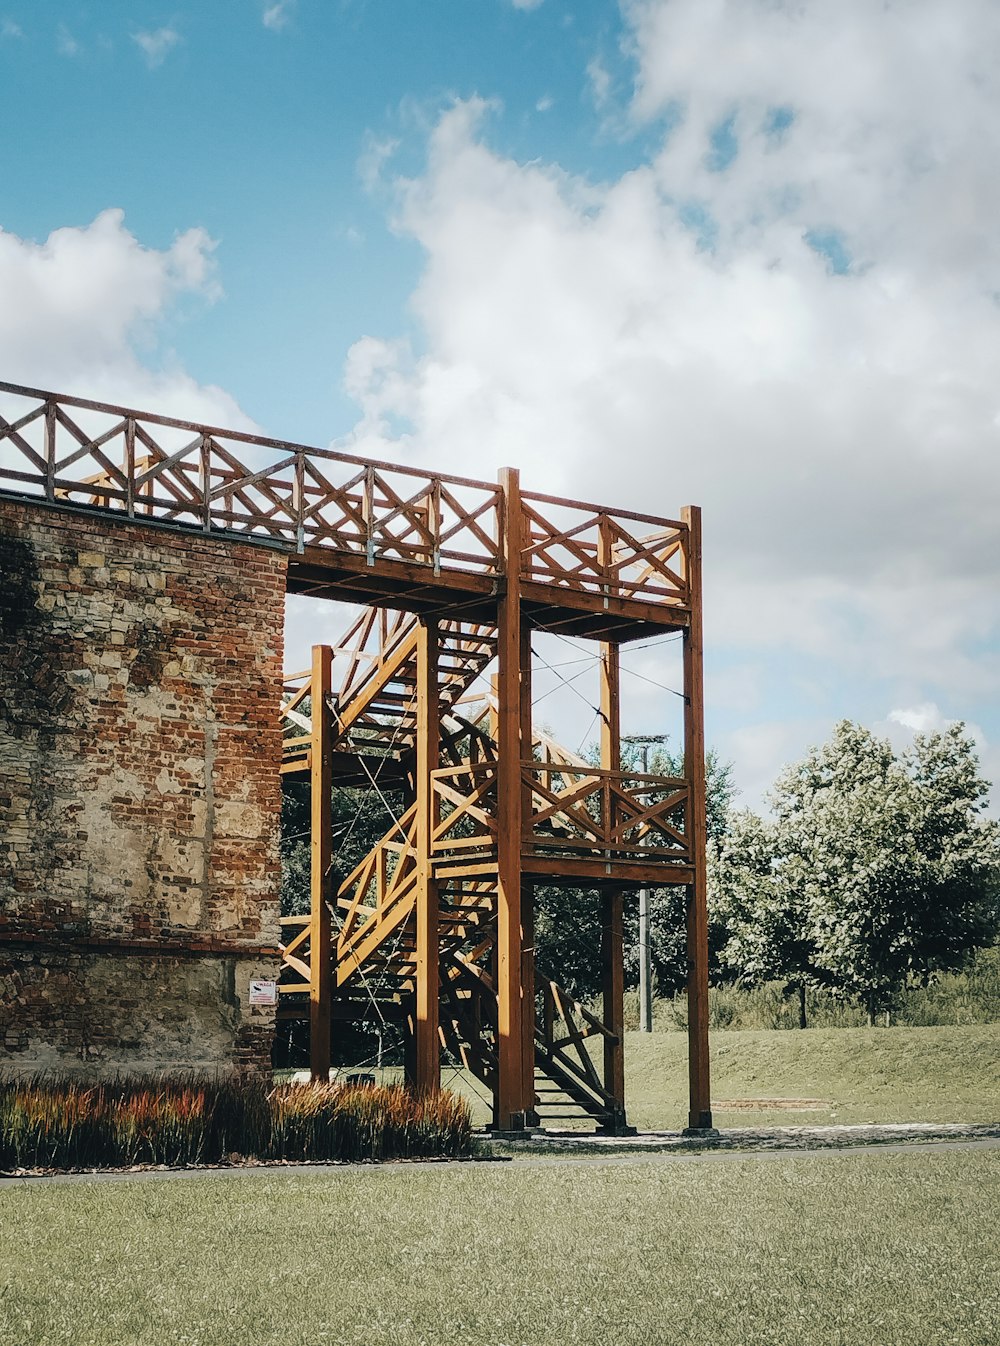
{"x":832,"y":1249}
{"x":858,"y":1074}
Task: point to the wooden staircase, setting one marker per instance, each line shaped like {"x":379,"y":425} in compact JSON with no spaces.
{"x":374,"y":720}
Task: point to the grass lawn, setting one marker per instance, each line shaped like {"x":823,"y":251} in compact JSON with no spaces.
{"x":940,"y":1074}
{"x":943,"y":1074}
{"x":832,"y":1249}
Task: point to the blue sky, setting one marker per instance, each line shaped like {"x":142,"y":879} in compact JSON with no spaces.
{"x":655,"y":253}
{"x":261,"y":135}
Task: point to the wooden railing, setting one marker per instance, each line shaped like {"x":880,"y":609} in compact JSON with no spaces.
{"x":464,"y":809}
{"x":592,"y":550}
{"x":295,"y":953}
{"x":157,"y":467}
{"x":143,"y":466}
{"x":617,"y":816}
{"x":574,"y":810}
{"x":379,"y":894}
{"x":561,"y":1037}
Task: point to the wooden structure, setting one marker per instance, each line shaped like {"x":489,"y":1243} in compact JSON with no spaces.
{"x":455,"y":575}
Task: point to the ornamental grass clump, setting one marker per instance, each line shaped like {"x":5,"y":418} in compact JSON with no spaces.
{"x":51,"y":1122}
{"x":351,"y":1122}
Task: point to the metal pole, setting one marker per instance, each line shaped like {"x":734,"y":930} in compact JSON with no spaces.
{"x":643,"y":741}
{"x":645,"y":966}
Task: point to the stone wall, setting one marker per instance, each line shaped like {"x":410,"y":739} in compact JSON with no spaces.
{"x":139,"y":793}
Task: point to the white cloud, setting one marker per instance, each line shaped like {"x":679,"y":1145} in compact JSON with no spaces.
{"x":8,"y":28}
{"x":526,"y":4}
{"x":375,"y":154}
{"x":66,"y":43}
{"x":82,"y":312}
{"x":545,"y":104}
{"x":923,"y":719}
{"x":787,"y":313}
{"x":673,"y":336}
{"x":278,"y":15}
{"x":156,"y":45}
{"x":600,"y":81}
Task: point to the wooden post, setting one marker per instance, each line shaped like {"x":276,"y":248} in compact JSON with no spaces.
{"x":428,"y":1049}
{"x":527,"y":900}
{"x":510,"y":1100}
{"x":612,"y":914}
{"x":613,"y":988}
{"x":321,"y":783}
{"x":528,"y":1000}
{"x":700,"y":1094}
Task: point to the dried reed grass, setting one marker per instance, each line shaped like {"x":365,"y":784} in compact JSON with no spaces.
{"x":54,"y":1122}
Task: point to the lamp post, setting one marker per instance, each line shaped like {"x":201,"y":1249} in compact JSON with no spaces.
{"x":643,"y":742}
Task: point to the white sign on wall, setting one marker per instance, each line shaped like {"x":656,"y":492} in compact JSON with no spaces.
{"x":263,"y":993}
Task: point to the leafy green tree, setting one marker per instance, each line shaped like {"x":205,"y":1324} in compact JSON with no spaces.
{"x":883,"y":870}
{"x":758,"y":919}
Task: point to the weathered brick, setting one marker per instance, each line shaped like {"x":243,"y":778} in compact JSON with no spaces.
{"x":139,"y":792}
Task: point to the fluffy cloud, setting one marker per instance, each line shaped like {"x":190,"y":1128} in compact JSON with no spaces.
{"x":66,"y":43}
{"x":278,"y":15}
{"x":82,"y":310}
{"x":157,"y":45}
{"x":788,"y":313}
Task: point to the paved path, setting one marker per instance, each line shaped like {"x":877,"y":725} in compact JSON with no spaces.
{"x":568,"y":1148}
{"x":755,"y":1140}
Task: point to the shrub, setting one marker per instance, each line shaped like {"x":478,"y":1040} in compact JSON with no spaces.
{"x":52,"y":1122}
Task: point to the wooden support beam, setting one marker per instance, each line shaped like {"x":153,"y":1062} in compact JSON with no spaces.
{"x":427,"y":1046}
{"x":613,"y":902}
{"x":527,"y":900}
{"x":321,"y":783}
{"x":510,"y":1101}
{"x":613,"y":990}
{"x":700,"y":1094}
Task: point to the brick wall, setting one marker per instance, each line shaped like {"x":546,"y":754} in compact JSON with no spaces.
{"x":139,"y":792}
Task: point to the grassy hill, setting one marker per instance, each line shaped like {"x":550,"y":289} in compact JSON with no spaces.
{"x":940,"y":1074}
{"x":828,"y":1075}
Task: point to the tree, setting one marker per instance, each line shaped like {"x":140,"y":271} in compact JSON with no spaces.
{"x":884,"y":869}
{"x":757,"y":917}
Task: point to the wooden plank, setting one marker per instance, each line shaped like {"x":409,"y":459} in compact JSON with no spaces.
{"x":613,"y":995}
{"x":612,"y":902}
{"x":427,"y":1064}
{"x":603,"y":873}
{"x":321,"y":784}
{"x":700,"y":1112}
{"x":510,"y":1102}
{"x":527,"y":899}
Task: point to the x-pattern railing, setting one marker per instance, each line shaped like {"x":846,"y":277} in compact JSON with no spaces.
{"x":156,"y":467}
{"x":295,"y":953}
{"x":147,"y":467}
{"x":585,"y":810}
{"x":380,"y":892}
{"x":574,"y":809}
{"x":592,"y":550}
{"x":464,"y":808}
{"x":566,"y":1024}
